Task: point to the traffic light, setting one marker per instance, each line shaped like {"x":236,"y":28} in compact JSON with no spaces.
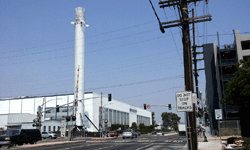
{"x":73,"y":118}
{"x":145,"y":106}
{"x":169,"y":107}
{"x":109,"y":97}
{"x":68,"y":118}
{"x":57,"y":108}
{"x":206,"y":117}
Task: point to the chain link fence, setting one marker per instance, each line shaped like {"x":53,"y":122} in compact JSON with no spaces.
{"x":229,"y":127}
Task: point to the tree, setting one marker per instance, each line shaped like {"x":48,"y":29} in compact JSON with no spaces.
{"x":141,"y":126}
{"x":238,"y":93}
{"x":134,"y":126}
{"x":170,"y":120}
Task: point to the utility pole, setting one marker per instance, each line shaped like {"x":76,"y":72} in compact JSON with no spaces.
{"x":184,"y":22}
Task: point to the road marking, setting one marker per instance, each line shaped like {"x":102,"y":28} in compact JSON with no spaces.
{"x":174,"y":141}
{"x":144,"y":146}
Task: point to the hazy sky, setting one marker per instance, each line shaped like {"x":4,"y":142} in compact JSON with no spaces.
{"x":125,"y":52}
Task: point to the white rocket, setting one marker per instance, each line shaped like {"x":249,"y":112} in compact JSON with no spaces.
{"x":79,"y":65}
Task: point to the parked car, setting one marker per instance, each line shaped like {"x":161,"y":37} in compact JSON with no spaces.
{"x":153,"y":132}
{"x":113,"y":134}
{"x":20,"y":136}
{"x":49,"y":135}
{"x":160,"y":133}
{"x":129,"y":133}
{"x":139,"y":133}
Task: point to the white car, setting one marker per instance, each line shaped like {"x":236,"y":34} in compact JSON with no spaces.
{"x":160,"y":133}
{"x":49,"y":135}
{"x":129,"y":133}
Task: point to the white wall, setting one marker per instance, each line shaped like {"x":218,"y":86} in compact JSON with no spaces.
{"x":3,"y":121}
{"x":92,"y":103}
{"x":240,"y":38}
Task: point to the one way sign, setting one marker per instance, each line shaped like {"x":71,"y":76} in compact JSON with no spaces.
{"x":218,"y":114}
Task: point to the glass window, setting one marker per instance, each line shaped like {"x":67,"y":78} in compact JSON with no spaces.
{"x":106,"y":113}
{"x":49,"y":128}
{"x":54,"y":128}
{"x":110,"y":118}
{"x":114,"y":117}
{"x":122,"y":118}
{"x":117,"y":117}
{"x":44,"y":128}
{"x":58,"y":128}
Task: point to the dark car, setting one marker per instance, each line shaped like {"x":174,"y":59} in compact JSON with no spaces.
{"x":153,"y":132}
{"x":139,"y":133}
{"x":20,"y":136}
{"x":113,"y":134}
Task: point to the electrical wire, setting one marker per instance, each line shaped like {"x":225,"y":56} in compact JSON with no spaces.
{"x":47,"y":51}
{"x":181,"y":86}
{"x":173,"y":38}
{"x":136,"y":83}
{"x":31,"y":61}
{"x":55,"y":43}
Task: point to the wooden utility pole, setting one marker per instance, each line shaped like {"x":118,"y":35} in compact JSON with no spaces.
{"x":195,"y":61}
{"x":184,"y":23}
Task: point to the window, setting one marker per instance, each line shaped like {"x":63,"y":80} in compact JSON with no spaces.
{"x":44,"y":128}
{"x":245,"y":45}
{"x":110,"y":117}
{"x":58,"y":128}
{"x":49,"y":128}
{"x":54,"y":128}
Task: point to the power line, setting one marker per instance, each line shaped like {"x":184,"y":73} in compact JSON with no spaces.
{"x":59,"y":49}
{"x":173,"y":38}
{"x":50,"y":44}
{"x":181,"y":86}
{"x":134,"y":83}
{"x":120,"y":85}
{"x":155,"y":38}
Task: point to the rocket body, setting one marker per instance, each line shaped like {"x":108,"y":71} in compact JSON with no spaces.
{"x":79,"y":65}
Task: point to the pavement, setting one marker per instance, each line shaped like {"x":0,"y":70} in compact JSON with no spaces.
{"x":213,"y":143}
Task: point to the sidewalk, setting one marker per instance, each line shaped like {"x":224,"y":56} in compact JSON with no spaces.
{"x":212,"y":144}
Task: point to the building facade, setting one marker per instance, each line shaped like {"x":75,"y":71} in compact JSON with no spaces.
{"x":219,"y":69}
{"x":98,"y":110}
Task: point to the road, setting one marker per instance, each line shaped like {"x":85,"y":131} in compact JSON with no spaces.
{"x":143,"y":142}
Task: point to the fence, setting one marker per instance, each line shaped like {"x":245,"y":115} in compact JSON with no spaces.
{"x":229,"y":127}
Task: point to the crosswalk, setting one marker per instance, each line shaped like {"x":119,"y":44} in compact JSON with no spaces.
{"x":173,"y":141}
{"x":148,"y":141}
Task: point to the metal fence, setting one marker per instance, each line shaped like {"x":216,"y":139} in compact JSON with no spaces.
{"x":229,"y":127}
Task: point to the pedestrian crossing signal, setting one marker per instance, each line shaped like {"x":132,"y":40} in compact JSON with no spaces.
{"x":169,"y":107}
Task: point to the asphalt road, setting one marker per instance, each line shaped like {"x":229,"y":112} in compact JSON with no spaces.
{"x":143,"y":142}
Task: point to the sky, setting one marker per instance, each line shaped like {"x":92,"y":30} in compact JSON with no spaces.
{"x":125,"y":52}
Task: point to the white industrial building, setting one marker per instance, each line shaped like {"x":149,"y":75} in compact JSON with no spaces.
{"x":20,"y":112}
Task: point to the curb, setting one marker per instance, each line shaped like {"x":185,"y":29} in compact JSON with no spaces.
{"x":49,"y":144}
{"x":102,"y":139}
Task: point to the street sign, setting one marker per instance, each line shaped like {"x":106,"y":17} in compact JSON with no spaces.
{"x":184,"y":101}
{"x":218,"y":114}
